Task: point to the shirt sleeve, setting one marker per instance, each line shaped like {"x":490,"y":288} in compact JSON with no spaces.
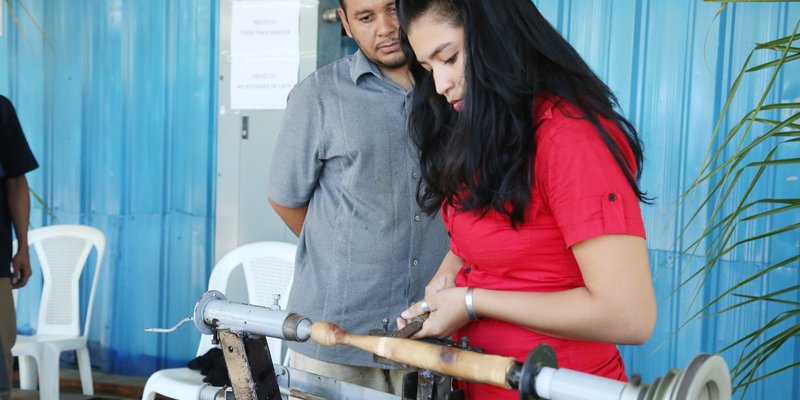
{"x":582,"y":184}
{"x":16,"y":158}
{"x":296,"y":161}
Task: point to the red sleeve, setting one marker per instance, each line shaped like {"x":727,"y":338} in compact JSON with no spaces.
{"x":581,"y":182}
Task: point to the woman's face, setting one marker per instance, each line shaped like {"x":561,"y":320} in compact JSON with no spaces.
{"x":439,"y":47}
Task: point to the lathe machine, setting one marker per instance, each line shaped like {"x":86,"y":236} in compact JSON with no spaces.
{"x":242,"y":329}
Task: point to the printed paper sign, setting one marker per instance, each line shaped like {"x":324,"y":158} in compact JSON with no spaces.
{"x":265,"y":53}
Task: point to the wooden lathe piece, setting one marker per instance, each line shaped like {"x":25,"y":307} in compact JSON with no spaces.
{"x":458,"y":363}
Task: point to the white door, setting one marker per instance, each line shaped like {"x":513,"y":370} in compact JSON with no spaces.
{"x":245,"y":143}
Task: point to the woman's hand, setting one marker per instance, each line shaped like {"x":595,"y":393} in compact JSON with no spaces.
{"x":439,"y":283}
{"x":444,"y":278}
{"x":446,"y":275}
{"x":448,"y":313}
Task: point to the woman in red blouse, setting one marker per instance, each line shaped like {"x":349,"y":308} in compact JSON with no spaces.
{"x":535,"y":173}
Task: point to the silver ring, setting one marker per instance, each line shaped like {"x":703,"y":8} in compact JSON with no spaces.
{"x":425,"y":307}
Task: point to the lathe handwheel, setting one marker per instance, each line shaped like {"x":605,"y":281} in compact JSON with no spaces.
{"x":542,"y":356}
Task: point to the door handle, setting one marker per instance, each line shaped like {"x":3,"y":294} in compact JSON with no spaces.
{"x":330,"y":15}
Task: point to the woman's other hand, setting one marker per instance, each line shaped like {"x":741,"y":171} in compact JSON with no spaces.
{"x":446,"y":274}
{"x":448,"y":313}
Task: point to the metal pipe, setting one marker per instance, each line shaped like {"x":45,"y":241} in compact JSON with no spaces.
{"x":214,"y":311}
{"x":208,"y":392}
{"x":552,"y":383}
{"x":706,"y":377}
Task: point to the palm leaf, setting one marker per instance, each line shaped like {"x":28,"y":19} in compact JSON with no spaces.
{"x":776,"y":62}
{"x":44,"y":205}
{"x":16,"y":21}
{"x":708,"y":162}
{"x":739,"y":285}
{"x":730,"y":164}
{"x":745,"y":371}
{"x":728,"y":223}
{"x":731,"y":175}
{"x":753,"y":299}
{"x":30,"y":17}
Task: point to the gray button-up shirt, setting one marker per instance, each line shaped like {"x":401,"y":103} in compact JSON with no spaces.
{"x":366,"y":251}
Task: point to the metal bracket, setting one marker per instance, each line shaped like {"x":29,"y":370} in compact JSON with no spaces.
{"x":249,"y":366}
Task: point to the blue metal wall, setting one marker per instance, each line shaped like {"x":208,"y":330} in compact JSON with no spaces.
{"x":671,"y":64}
{"x":120,"y":111}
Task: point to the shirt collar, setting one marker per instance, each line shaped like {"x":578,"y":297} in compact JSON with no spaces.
{"x":361,"y":65}
{"x":543,"y":108}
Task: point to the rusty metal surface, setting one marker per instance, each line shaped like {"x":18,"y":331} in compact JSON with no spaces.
{"x":413,"y":327}
{"x":425,"y":379}
{"x":249,"y":366}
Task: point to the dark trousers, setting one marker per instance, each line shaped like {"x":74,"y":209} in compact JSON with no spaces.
{"x":8,"y":334}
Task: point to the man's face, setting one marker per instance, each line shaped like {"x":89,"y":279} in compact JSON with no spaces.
{"x":373,"y":25}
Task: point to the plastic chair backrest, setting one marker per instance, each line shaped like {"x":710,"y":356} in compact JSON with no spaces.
{"x":63,"y":251}
{"x":271,"y":273}
{"x":268,"y":270}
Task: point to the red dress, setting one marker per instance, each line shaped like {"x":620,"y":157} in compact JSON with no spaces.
{"x":579,"y":192}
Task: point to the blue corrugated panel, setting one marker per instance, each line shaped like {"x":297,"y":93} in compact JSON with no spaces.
{"x":120,"y":111}
{"x":671,"y":65}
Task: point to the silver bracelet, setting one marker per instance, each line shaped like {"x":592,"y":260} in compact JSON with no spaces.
{"x":470,"y":308}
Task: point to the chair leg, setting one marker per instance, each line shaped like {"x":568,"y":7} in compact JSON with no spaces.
{"x":48,"y":374}
{"x":27,"y":373}
{"x":148,"y":393}
{"x":85,"y":368}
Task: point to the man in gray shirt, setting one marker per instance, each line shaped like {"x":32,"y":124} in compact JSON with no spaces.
{"x":344,"y":178}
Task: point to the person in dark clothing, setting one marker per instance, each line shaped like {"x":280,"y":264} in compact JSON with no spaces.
{"x":16,"y":160}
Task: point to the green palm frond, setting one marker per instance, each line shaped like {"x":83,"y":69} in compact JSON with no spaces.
{"x":731,"y":171}
{"x":44,"y":205}
{"x":727,"y":224}
{"x":753,"y":299}
{"x":745,"y":372}
{"x":30,"y":17}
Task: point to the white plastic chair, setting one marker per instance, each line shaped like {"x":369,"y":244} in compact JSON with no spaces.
{"x":268,"y":269}
{"x":62,"y":251}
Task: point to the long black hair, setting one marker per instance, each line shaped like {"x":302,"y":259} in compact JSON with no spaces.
{"x":481,"y":158}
